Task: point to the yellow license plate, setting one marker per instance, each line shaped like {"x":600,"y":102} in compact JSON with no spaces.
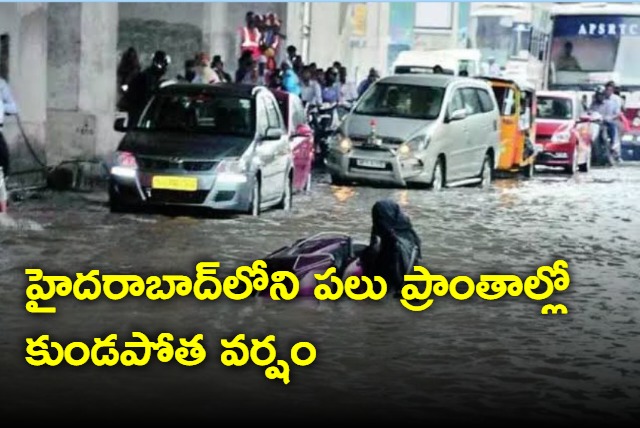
{"x":187,"y":184}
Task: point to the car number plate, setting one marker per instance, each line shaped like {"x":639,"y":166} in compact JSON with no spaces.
{"x":187,"y":184}
{"x":371,"y":163}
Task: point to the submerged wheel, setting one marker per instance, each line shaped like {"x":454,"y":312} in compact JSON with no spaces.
{"x":586,"y":167}
{"x":439,"y":179}
{"x":307,"y":185}
{"x":486,"y":175}
{"x":573,"y":168}
{"x":287,"y":195}
{"x":256,"y":198}
{"x":337,"y":181}
{"x":529,"y":170}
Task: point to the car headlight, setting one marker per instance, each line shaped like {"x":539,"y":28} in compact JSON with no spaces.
{"x":232,"y":170}
{"x":636,"y":122}
{"x":410,"y":147}
{"x":341,"y":143}
{"x":124,"y":164}
{"x":561,"y":137}
{"x":628,"y":138}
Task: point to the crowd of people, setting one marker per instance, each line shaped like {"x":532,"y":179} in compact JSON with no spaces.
{"x":260,"y":46}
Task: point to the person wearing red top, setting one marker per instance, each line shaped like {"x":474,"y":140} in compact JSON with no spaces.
{"x":251,"y":36}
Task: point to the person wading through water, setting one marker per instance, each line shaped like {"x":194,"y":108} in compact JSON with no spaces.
{"x":394,"y":248}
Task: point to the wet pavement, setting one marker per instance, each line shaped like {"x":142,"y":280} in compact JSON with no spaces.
{"x":461,"y":360}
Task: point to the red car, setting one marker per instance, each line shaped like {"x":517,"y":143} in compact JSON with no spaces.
{"x":301,"y":137}
{"x":563,"y":132}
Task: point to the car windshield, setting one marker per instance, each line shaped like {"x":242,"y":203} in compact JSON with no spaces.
{"x":203,"y":113}
{"x":401,"y":100}
{"x":554,"y":108}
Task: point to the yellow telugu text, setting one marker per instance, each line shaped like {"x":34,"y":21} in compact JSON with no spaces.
{"x":104,"y":353}
{"x":490,"y":287}
{"x":238,"y":354}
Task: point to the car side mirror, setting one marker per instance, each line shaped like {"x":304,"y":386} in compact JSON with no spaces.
{"x":303,"y":130}
{"x":457,"y":115}
{"x":273,"y":134}
{"x":120,"y":125}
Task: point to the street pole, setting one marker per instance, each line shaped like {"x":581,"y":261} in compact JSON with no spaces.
{"x":306,"y":30}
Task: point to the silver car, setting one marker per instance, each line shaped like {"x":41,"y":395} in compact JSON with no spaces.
{"x":435,"y":130}
{"x":221,"y":146}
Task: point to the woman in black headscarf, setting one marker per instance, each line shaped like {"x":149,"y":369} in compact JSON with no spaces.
{"x":394,"y":248}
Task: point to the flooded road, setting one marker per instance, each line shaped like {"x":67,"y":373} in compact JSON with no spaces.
{"x":460,"y":360}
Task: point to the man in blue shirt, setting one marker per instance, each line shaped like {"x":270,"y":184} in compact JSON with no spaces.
{"x":331,"y":89}
{"x":364,"y":85}
{"x":310,"y":91}
{"x":7,"y":106}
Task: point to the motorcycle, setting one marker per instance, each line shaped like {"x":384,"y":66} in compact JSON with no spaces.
{"x":324,"y":120}
{"x":601,"y":151}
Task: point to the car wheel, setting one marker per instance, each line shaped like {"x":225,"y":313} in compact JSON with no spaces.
{"x":573,"y":168}
{"x":287,"y":195}
{"x":586,"y":167}
{"x":307,"y":185}
{"x":486,"y":174}
{"x":256,"y":198}
{"x":438,"y":181}
{"x":337,"y":181}
{"x":116,"y":205}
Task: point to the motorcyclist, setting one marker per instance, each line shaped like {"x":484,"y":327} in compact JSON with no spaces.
{"x":311,"y":93}
{"x":616,"y":100}
{"x":394,"y":247}
{"x":331,"y":89}
{"x":143,"y":86}
{"x":606,"y":109}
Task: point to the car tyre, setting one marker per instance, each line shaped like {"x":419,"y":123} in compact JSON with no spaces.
{"x":438,"y":181}
{"x":256,"y":198}
{"x":307,"y":185}
{"x":586,"y":167}
{"x":287,"y":195}
{"x":529,"y":170}
{"x":486,"y":174}
{"x":573,"y":168}
{"x":116,"y":206}
{"x":337,"y":181}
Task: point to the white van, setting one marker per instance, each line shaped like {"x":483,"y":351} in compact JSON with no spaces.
{"x":452,"y":61}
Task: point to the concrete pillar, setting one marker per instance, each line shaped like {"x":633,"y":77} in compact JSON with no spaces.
{"x":26,"y":25}
{"x":81,"y":74}
{"x":216,"y":38}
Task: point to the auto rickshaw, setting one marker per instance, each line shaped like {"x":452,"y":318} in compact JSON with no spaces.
{"x":517,"y":103}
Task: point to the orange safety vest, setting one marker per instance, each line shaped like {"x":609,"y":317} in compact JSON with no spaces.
{"x":251,"y":40}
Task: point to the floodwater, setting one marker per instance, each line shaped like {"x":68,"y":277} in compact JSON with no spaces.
{"x":459,"y":360}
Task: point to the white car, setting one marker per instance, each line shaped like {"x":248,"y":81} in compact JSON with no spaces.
{"x":438,"y":130}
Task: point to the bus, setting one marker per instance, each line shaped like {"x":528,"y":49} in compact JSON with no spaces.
{"x":515,"y":34}
{"x":593,"y":43}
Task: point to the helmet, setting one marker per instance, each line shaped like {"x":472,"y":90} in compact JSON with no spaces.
{"x":600,"y":90}
{"x":161,"y":60}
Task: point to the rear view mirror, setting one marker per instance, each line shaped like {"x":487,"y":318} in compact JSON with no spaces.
{"x":273,"y":134}
{"x":120,"y":125}
{"x":458,"y":115}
